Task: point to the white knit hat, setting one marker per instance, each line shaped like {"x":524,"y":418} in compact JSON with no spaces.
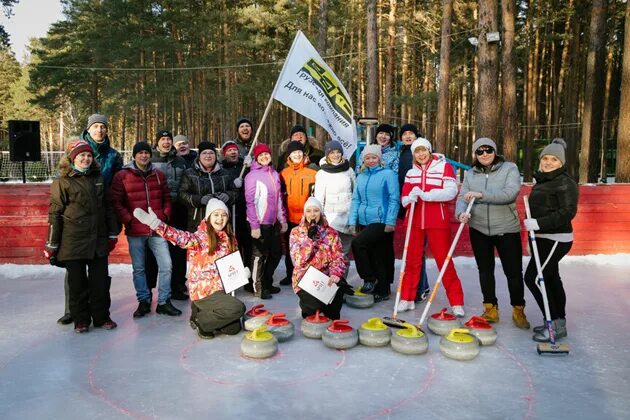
{"x":372,"y":149}
{"x":421,"y":142}
{"x":313,"y":202}
{"x":215,"y":204}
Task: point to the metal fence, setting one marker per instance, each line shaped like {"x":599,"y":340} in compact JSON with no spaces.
{"x":43,"y":171}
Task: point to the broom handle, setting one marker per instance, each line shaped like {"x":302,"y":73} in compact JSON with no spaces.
{"x":403,"y":265}
{"x":541,"y":279}
{"x":446,"y":261}
{"x":255,"y":141}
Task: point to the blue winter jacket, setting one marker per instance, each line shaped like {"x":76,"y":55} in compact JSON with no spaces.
{"x":376,"y":197}
{"x":107,"y":157}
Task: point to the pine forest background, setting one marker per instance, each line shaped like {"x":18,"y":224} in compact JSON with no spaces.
{"x":196,"y":66}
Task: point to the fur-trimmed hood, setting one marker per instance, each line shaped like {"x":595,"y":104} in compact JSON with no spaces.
{"x":312,"y":142}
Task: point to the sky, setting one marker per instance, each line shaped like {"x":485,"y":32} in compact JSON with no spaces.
{"x":30,"y":19}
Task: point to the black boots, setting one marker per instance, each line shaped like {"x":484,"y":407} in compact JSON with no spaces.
{"x":368,"y":286}
{"x":143,"y":309}
{"x":167,"y":308}
{"x":65,"y":319}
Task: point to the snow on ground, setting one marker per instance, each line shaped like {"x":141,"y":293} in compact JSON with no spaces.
{"x":156,"y":367}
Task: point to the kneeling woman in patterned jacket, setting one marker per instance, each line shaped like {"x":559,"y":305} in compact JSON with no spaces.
{"x":213,"y":311}
{"x":315,"y":243}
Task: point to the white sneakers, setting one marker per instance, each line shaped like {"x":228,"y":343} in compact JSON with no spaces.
{"x":406,"y":305}
{"x":459,"y":311}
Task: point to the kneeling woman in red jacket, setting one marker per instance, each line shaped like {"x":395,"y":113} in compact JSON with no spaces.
{"x":314,"y":243}
{"x":213,"y":311}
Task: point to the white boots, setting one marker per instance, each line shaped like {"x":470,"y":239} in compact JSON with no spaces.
{"x":458,"y":311}
{"x":406,"y":305}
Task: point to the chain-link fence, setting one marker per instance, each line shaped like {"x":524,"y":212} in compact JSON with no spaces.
{"x":43,"y":171}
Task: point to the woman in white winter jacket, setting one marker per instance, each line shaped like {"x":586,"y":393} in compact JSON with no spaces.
{"x":334,"y":184}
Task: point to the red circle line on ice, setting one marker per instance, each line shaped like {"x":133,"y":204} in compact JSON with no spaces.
{"x":184,"y":354}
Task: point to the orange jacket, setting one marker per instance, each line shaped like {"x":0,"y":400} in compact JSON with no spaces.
{"x":297,"y":182}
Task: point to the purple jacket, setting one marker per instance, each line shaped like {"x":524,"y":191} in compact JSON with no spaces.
{"x":263,"y":196}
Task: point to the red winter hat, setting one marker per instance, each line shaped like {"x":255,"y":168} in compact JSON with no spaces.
{"x":261,"y":148}
{"x":76,"y":147}
{"x":229,"y":145}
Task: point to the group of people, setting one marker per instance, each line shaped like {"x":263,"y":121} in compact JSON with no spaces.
{"x":189,"y":209}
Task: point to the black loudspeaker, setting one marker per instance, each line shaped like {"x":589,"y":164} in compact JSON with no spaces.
{"x":24,"y":141}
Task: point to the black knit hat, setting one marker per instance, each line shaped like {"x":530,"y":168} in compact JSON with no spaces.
{"x":295,"y":145}
{"x":243,"y":120}
{"x":140,"y":146}
{"x":409,"y":127}
{"x":332,"y":145}
{"x":163,"y":133}
{"x":298,"y":129}
{"x":386,"y":128}
{"x":206,"y":145}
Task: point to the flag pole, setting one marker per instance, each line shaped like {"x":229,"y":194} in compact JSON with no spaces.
{"x":273,"y":92}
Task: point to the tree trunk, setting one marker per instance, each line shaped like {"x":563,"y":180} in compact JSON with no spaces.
{"x":405,"y":112}
{"x":508,"y":82}
{"x":487,"y":96}
{"x":372,"y":60}
{"x":622,"y":172}
{"x":389,"y":73}
{"x":564,"y":62}
{"x":320,"y":133}
{"x":593,"y":98}
{"x":442,"y":122}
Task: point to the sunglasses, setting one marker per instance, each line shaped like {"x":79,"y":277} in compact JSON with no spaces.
{"x":486,"y":150}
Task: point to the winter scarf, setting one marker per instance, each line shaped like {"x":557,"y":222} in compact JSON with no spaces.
{"x":333,"y":169}
{"x":107,"y":157}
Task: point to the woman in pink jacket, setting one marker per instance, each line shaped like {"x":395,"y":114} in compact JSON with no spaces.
{"x":213,"y":311}
{"x":315,"y":243}
{"x":267,"y":220}
{"x":430,"y":183}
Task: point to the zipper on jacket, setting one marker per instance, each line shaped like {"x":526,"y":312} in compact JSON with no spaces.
{"x":424,"y":177}
{"x":366,"y":196}
{"x":487,"y":206}
{"x":146,"y":190}
{"x":275,"y":196}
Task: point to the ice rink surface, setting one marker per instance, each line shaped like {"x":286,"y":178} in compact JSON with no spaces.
{"x":157,"y":367}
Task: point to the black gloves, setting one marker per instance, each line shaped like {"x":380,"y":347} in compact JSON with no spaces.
{"x":313,"y":232}
{"x":345,"y":288}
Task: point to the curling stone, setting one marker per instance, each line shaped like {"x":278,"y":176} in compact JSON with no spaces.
{"x":442,"y":322}
{"x":459,"y":344}
{"x":359,"y":300}
{"x":410,"y":340}
{"x":481,"y":329}
{"x":374,"y":333}
{"x":280,"y":327}
{"x":314,"y":326}
{"x":340,"y":335}
{"x":259,"y":344}
{"x":256,"y":317}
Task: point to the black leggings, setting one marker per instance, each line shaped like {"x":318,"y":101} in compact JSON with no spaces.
{"x":89,"y":291}
{"x":510,"y":252}
{"x":310,"y":305}
{"x":373,"y":251}
{"x":266,"y":255}
{"x":553,"y":284}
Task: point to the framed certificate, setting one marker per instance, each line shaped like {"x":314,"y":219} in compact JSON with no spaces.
{"x":231,"y":271}
{"x":315,"y":283}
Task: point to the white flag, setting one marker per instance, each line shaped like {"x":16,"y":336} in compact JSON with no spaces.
{"x":308,"y":86}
